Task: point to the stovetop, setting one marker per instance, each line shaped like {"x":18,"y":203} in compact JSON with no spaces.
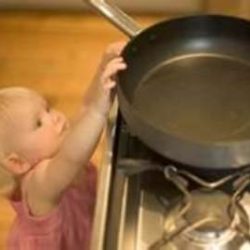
{"x":143,"y":201}
{"x":153,"y":221}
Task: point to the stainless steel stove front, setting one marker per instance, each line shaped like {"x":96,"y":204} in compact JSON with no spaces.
{"x":137,"y":210}
{"x":141,"y":208}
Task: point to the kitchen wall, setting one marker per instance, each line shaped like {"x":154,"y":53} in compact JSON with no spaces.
{"x":136,"y":5}
{"x":232,"y":7}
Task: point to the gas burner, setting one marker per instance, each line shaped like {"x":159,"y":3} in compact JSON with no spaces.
{"x":205,"y":218}
{"x":205,"y":225}
{"x":212,"y":205}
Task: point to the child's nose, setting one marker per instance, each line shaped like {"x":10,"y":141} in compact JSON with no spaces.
{"x":56,"y":117}
{"x":59,"y":119}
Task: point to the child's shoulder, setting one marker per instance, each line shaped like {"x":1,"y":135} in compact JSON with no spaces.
{"x":38,"y":205}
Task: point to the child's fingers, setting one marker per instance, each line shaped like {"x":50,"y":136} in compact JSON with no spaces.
{"x":111,"y":73}
{"x":113,"y":67}
{"x":113,"y":51}
{"x":116,"y":62}
{"x":110,"y":84}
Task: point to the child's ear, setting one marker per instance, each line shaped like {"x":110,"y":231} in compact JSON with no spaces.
{"x":16,"y":164}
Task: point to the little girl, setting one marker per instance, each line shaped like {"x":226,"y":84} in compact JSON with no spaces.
{"x":41,"y":156}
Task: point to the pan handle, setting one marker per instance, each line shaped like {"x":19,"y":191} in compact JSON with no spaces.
{"x":116,"y":16}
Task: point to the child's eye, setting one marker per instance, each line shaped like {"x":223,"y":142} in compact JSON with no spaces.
{"x":39,"y":123}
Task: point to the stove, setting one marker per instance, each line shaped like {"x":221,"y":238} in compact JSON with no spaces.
{"x":147,"y":202}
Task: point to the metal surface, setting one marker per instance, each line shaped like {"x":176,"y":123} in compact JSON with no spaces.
{"x":188,"y":100}
{"x":104,"y":183}
{"x":116,"y":16}
{"x":141,"y":206}
{"x":186,"y":90}
{"x":206,"y":223}
{"x":205,"y":217}
{"x":151,"y":218}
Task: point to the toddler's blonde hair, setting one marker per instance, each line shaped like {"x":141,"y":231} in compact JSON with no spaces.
{"x":8,"y":97}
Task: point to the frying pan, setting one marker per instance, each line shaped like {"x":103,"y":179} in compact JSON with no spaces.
{"x":186,"y":90}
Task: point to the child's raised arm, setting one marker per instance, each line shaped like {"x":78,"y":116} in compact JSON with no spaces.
{"x":82,"y":138}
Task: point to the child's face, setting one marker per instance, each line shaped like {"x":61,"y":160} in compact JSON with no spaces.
{"x":39,"y":129}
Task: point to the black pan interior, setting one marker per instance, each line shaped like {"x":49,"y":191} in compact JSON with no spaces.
{"x":191,"y":78}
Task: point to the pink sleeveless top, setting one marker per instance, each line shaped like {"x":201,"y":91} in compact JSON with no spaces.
{"x":67,"y":227}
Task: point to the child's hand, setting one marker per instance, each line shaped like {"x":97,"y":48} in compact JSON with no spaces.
{"x":108,"y":75}
{"x":100,"y":97}
{"x":114,"y":50}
